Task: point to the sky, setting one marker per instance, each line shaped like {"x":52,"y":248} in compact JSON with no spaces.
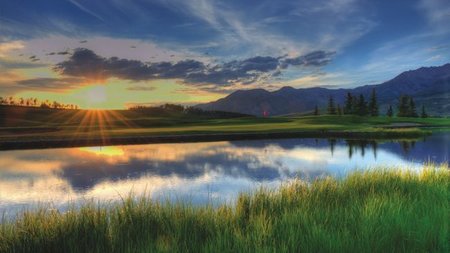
{"x":113,"y":54}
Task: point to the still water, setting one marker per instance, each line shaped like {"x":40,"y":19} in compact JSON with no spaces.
{"x":212,"y":172}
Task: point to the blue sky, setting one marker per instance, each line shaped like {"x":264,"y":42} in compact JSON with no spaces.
{"x":209,"y":48}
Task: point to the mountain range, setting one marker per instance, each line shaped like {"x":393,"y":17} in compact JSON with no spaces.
{"x":429,"y":86}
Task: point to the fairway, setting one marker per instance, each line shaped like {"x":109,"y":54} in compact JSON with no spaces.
{"x":34,"y":126}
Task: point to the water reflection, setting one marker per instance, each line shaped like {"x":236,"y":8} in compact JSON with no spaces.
{"x":198,"y":172}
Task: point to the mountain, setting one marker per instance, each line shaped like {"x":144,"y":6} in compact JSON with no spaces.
{"x":429,"y":86}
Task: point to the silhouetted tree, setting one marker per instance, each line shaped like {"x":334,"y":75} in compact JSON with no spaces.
{"x":424,"y":113}
{"x":348,"y":107}
{"x":316,"y":110}
{"x":361,"y":106}
{"x":331,"y":107}
{"x":339,"y":110}
{"x":390,"y":112}
{"x":373,"y":104}
{"x":412,"y":108}
{"x":403,"y":106}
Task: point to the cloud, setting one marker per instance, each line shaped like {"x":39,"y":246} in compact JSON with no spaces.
{"x":7,"y":47}
{"x":14,"y":64}
{"x":316,"y":58}
{"x":54,"y":84}
{"x":86,"y":63}
{"x":437,"y":12}
{"x":141,"y":88}
{"x":86,"y":10}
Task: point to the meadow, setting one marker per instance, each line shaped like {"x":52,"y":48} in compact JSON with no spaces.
{"x":34,"y":127}
{"x":379,"y":210}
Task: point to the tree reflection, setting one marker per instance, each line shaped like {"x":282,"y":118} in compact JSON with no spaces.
{"x":361,"y":145}
{"x":407,"y":146}
{"x":332,"y":143}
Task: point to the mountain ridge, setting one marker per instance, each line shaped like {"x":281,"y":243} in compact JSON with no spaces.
{"x":429,"y":86}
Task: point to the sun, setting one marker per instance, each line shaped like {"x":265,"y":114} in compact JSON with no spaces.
{"x":96,"y":96}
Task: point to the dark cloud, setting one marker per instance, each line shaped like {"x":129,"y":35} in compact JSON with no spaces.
{"x":315,"y":59}
{"x":9,"y":64}
{"x":141,"y":88}
{"x":51,"y":83}
{"x":33,"y":58}
{"x":59,"y":53}
{"x":82,"y":41}
{"x":85,"y":63}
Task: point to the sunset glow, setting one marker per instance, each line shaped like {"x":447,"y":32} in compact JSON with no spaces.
{"x":91,"y":55}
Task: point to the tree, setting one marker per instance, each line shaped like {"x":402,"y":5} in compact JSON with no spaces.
{"x":316,"y":110}
{"x":412,"y":108}
{"x":331,"y":107}
{"x":339,"y":110}
{"x":373,"y":104}
{"x":390,"y":112}
{"x":403,"y":106}
{"x":348,"y":107}
{"x":362,"y":106}
{"x":423,"y":114}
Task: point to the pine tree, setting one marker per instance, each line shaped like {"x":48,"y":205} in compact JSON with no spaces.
{"x":412,"y":108}
{"x":373,"y":104}
{"x":423,"y":114}
{"x":339,"y":110}
{"x":348,"y":107}
{"x":331,"y":107}
{"x":362,"y":106}
{"x":316,"y":110}
{"x":390,"y":112}
{"x":403,"y":106}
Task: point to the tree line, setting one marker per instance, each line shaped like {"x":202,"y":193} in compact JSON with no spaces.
{"x":358,"y":105}
{"x":169,"y":109}
{"x":34,"y":102}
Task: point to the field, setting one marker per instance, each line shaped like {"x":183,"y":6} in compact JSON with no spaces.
{"x":34,"y":127}
{"x":383,"y":210}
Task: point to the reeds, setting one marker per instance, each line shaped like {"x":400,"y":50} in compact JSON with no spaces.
{"x":382,"y":210}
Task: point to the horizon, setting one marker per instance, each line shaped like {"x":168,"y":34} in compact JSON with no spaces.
{"x":113,"y":55}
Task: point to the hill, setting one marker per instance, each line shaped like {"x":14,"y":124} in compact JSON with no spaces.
{"x":429,"y":86}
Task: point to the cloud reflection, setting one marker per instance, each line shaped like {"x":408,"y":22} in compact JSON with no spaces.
{"x":198,"y":172}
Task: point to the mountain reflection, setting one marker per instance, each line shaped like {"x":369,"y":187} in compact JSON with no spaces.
{"x":224,"y":168}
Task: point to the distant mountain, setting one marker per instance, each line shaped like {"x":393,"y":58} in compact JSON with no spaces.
{"x":429,"y":86}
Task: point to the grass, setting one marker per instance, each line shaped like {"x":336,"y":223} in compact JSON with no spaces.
{"x":36,"y":128}
{"x":384,"y":210}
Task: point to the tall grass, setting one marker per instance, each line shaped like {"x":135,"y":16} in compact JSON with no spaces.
{"x":383,"y":210}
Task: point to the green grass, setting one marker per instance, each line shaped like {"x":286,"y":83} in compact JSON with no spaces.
{"x":65,"y":125}
{"x":384,"y":210}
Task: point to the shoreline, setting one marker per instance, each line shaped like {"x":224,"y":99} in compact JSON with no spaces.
{"x":205,"y":137}
{"x":386,"y":203}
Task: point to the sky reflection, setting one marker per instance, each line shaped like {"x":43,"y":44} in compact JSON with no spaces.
{"x":196,"y":172}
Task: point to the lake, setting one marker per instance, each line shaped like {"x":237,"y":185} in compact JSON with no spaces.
{"x":211,"y":172}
